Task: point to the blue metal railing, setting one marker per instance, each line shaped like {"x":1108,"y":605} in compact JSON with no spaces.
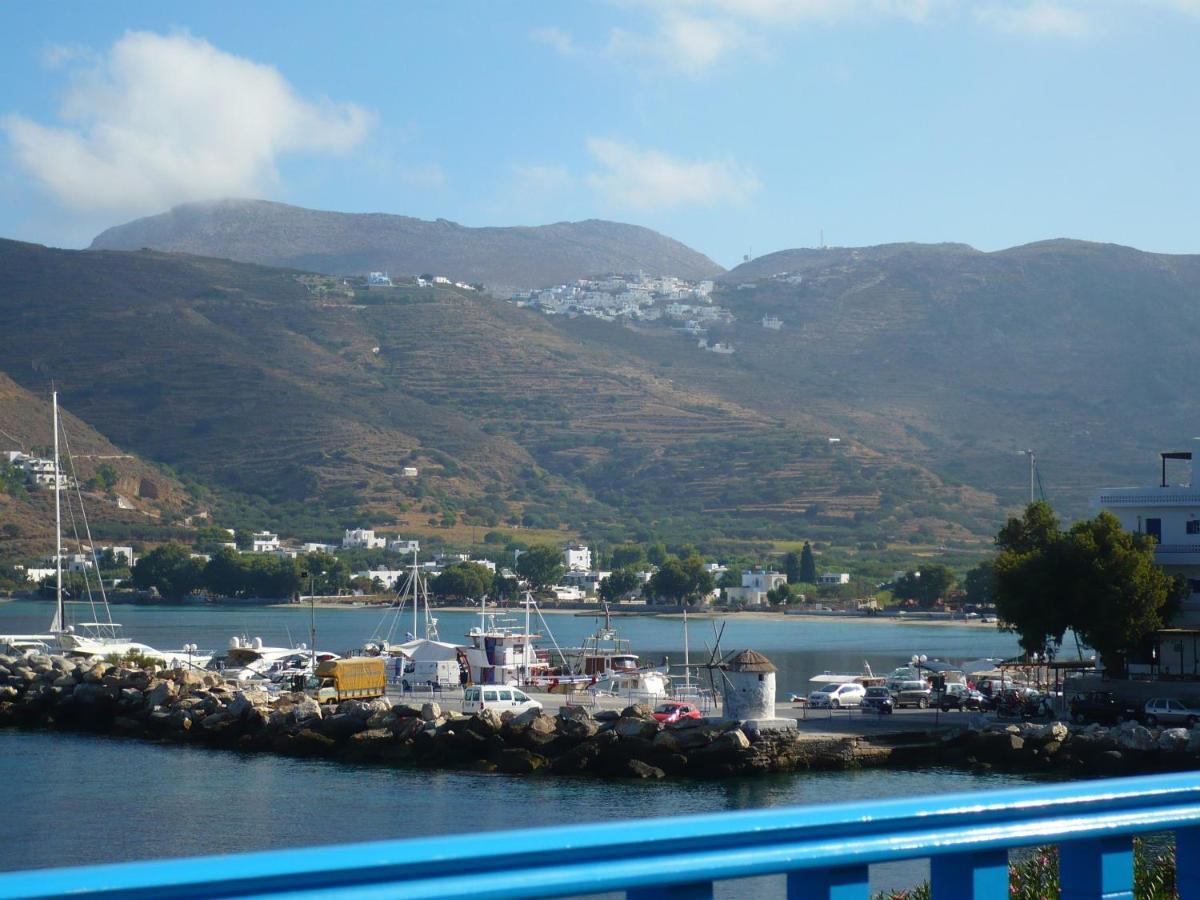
{"x":825,"y":852}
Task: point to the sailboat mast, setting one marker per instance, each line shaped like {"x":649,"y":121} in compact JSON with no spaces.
{"x":416,"y":598}
{"x":687,"y":672}
{"x":525,"y":647}
{"x":59,"y":616}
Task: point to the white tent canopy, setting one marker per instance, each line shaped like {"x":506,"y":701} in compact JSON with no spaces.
{"x":423,"y":650}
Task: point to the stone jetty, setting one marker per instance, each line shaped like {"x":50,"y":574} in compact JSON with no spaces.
{"x":199,"y":708}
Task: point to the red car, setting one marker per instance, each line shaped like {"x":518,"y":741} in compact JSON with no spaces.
{"x":673,"y":712}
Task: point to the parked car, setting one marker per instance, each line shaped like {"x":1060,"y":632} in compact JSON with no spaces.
{"x":1103,"y":707}
{"x":836,"y":696}
{"x":912,"y":693}
{"x":671,"y":712}
{"x":959,"y":696}
{"x":497,"y":697}
{"x":878,"y":699}
{"x":1169,"y":711}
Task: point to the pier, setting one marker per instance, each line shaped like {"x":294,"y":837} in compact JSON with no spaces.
{"x":825,"y":852}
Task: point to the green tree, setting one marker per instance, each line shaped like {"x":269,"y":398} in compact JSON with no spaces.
{"x":792,"y":566}
{"x":326,"y":573}
{"x":926,"y":587}
{"x":780,"y":596}
{"x":171,"y":569}
{"x":463,"y":580}
{"x":980,"y":583}
{"x":656,"y":554}
{"x":681,"y":580}
{"x":808,"y":565}
{"x":541,"y":565}
{"x":618,"y":584}
{"x":1097,"y":579}
{"x":107,"y":475}
{"x":628,"y":556}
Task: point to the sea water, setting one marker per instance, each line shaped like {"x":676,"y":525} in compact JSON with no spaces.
{"x":72,"y":799}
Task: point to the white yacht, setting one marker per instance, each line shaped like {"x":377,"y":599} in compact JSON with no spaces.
{"x":249,"y":659}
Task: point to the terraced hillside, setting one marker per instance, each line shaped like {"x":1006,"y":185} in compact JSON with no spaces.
{"x":257,"y":383}
{"x":140,"y":499}
{"x":960,"y":358}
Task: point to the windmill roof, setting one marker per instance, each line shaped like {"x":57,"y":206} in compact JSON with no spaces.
{"x":750,"y":661}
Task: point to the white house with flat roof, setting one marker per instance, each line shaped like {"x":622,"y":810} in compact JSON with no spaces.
{"x":1171,"y":515}
{"x":577,"y":558}
{"x":264,"y":542}
{"x":403,"y":545}
{"x":756,"y":583}
{"x":362,"y":538}
{"x":834,"y":578}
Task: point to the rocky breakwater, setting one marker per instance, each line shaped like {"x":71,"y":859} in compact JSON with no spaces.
{"x":1091,"y":750}
{"x":198,"y":707}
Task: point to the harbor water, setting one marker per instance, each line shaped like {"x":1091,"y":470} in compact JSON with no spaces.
{"x":74,"y":799}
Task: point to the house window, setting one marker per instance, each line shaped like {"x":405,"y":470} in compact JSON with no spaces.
{"x":1193,"y":526}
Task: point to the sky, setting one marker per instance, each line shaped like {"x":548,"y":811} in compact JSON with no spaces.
{"x":736,"y":126}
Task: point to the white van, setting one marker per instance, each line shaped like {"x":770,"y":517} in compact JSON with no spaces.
{"x":497,"y":697}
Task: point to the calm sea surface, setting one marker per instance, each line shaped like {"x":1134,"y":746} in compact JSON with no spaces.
{"x":73,"y":799}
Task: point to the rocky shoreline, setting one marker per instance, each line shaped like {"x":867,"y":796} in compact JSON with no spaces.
{"x":199,"y":708}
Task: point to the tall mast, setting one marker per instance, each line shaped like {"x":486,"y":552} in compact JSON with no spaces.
{"x":59,"y":617}
{"x":416,"y":598}
{"x":687,"y":672}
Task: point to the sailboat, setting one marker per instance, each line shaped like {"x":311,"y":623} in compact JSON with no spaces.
{"x":97,"y":637}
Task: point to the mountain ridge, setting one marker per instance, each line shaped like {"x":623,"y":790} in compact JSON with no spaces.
{"x":338,"y":243}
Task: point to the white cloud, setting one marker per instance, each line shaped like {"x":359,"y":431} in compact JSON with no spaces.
{"x":555,"y":38}
{"x":1039,"y":19}
{"x":642,"y":179}
{"x":162,"y":119}
{"x":55,"y":56}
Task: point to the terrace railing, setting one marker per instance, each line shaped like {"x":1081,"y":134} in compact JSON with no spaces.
{"x":825,"y":852}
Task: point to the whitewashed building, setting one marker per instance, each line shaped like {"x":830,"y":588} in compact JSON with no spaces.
{"x":264,"y":542}
{"x":403,"y":545}
{"x":756,"y":583}
{"x":577,"y":558}
{"x":834,"y":578}
{"x":1171,"y":515}
{"x":363,"y":538}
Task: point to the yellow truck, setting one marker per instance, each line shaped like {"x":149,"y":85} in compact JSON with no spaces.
{"x":356,"y":678}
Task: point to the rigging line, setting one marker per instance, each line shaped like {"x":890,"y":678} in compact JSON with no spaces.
{"x":87,"y":585}
{"x":91,"y":544}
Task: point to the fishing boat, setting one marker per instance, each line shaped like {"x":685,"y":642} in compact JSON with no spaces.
{"x":500,"y":650}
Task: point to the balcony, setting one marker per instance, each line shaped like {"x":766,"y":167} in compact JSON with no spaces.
{"x":825,"y":852}
{"x":1177,"y":554}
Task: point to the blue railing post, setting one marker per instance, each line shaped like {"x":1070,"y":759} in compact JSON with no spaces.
{"x":847,"y":883}
{"x":695,"y":890}
{"x":1187,"y":862}
{"x":970,"y":876}
{"x":1097,"y":868}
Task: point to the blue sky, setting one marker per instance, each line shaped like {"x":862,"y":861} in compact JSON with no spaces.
{"x":735,"y":126}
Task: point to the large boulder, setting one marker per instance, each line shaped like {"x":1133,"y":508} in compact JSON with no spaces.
{"x":430,"y":711}
{"x":96,"y":673}
{"x":576,"y":722}
{"x":138,"y":679}
{"x":1174,"y":740}
{"x":484,"y":723}
{"x":637,"y":711}
{"x":518,"y":761}
{"x":161,"y":694}
{"x":188,"y":679}
{"x":245,"y":701}
{"x":364,"y":709}
{"x":305,"y":709}
{"x":1131,"y":736}
{"x":636,"y":727}
{"x":1051,"y":731}
{"x":635,"y":768}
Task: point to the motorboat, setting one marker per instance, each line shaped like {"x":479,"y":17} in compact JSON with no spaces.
{"x":249,"y":659}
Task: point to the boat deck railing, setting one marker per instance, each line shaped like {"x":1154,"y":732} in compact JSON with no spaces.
{"x":823,"y":851}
